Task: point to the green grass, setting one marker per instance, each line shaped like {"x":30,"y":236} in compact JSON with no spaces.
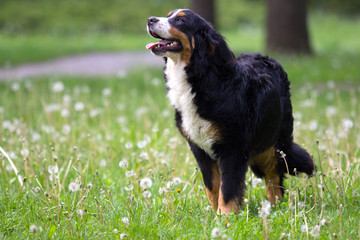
{"x":135,"y":122}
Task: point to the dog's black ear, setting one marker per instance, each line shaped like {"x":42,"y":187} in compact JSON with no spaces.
{"x":211,"y":45}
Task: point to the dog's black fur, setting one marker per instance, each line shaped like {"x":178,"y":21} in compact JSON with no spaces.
{"x":247,"y":100}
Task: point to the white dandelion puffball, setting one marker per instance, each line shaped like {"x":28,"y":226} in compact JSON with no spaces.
{"x":215,"y":233}
{"x":74,"y":187}
{"x":53,"y":169}
{"x":265,"y":209}
{"x":147,"y":194}
{"x":124,"y":163}
{"x":145,"y":183}
{"x":255,"y":182}
{"x":58,"y":87}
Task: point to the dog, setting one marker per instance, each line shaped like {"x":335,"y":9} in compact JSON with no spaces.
{"x":235,"y":113}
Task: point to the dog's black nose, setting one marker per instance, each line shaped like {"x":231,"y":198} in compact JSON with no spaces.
{"x":152,"y":20}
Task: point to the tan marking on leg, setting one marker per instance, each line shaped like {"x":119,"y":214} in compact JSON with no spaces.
{"x":225,"y":208}
{"x":273,"y":189}
{"x":267,"y":161}
{"x":213,"y":195}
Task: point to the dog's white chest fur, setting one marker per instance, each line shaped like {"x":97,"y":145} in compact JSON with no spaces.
{"x":196,"y":128}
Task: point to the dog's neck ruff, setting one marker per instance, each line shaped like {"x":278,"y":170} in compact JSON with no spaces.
{"x":181,"y":98}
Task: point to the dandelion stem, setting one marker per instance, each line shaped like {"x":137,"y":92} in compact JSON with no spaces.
{"x":12,"y":165}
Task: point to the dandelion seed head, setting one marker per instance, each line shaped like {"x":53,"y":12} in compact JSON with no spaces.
{"x":74,"y":187}
{"x":147,"y":194}
{"x":304,"y":228}
{"x":128,"y":145}
{"x":176,"y":181}
{"x":65,"y":113}
{"x":144,"y":156}
{"x":162,"y":190}
{"x":79,"y":106}
{"x":265,"y":209}
{"x":53,"y":169}
{"x":33,"y":228}
{"x":124,"y":163}
{"x":130,"y":173}
{"x":129,"y":188}
{"x":145,"y":183}
{"x":15,"y":87}
{"x":315,"y":231}
{"x":58,"y":87}
{"x":216,"y":233}
{"x":103,"y":163}
{"x":106,"y":92}
{"x":125,"y":220}
{"x":80,"y":212}
{"x":256,"y":182}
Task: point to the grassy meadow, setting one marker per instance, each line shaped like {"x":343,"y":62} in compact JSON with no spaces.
{"x":101,"y":158}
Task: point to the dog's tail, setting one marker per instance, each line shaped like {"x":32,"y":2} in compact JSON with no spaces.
{"x":294,"y":159}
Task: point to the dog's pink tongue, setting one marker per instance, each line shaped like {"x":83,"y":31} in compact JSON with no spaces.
{"x":151,"y":45}
{"x":162,"y":42}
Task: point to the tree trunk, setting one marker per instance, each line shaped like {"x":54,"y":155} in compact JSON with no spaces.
{"x":286,"y":26}
{"x":205,"y":8}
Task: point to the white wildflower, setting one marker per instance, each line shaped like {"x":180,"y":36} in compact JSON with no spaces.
{"x":33,"y":228}
{"x":331,"y":110}
{"x":24,"y":152}
{"x":53,"y":107}
{"x":169,"y":184}
{"x":255,"y":182}
{"x":176,"y":181}
{"x":53,"y":169}
{"x":124,"y":163}
{"x":347,"y":123}
{"x":58,"y":87}
{"x":106,"y":91}
{"x":323,"y":222}
{"x":265,"y":209}
{"x":145,"y":183}
{"x":35,"y":136}
{"x":123,"y":235}
{"x":115,"y":231}
{"x":144,"y":156}
{"x":130,"y":173}
{"x":315,"y":231}
{"x":313,"y":125}
{"x":79,"y":106}
{"x":65,"y":113}
{"x":162,"y":190}
{"x":304,"y":228}
{"x":80,"y":212}
{"x":128,"y":145}
{"x":74,"y":187}
{"x":15,"y":87}
{"x":94,"y":112}
{"x":147,"y":194}
{"x":215,"y":233}
{"x":125,"y":220}
{"x":66,"y":129}
{"x":102,"y":163}
{"x":129,"y":188}
{"x":1,"y":109}
{"x":142,"y":144}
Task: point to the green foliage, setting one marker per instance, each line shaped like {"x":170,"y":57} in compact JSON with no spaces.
{"x":86,"y":127}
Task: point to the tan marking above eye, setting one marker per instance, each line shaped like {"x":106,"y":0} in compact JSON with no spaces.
{"x":169,"y":14}
{"x":181,"y":14}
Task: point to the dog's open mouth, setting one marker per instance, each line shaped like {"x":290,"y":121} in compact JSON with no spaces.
{"x":164,"y":45}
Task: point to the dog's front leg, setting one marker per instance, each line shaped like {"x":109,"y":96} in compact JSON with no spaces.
{"x":233,"y":168}
{"x":211,"y":174}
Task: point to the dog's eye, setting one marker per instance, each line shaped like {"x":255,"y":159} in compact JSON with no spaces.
{"x":179,"y":19}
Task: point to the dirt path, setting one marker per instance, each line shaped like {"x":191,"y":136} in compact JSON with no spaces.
{"x":92,"y":64}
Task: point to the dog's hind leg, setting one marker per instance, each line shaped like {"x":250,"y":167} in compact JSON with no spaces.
{"x":265,"y":165}
{"x":211,"y":174}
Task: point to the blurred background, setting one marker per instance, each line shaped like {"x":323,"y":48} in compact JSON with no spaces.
{"x":321,"y":32}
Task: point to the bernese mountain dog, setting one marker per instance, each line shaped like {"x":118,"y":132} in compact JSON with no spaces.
{"x":234,"y":113}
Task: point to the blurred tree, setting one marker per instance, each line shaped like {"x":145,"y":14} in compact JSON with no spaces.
{"x":205,"y":8}
{"x":286,"y":26}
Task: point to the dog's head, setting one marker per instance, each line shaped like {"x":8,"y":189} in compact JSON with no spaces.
{"x":182,"y":34}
